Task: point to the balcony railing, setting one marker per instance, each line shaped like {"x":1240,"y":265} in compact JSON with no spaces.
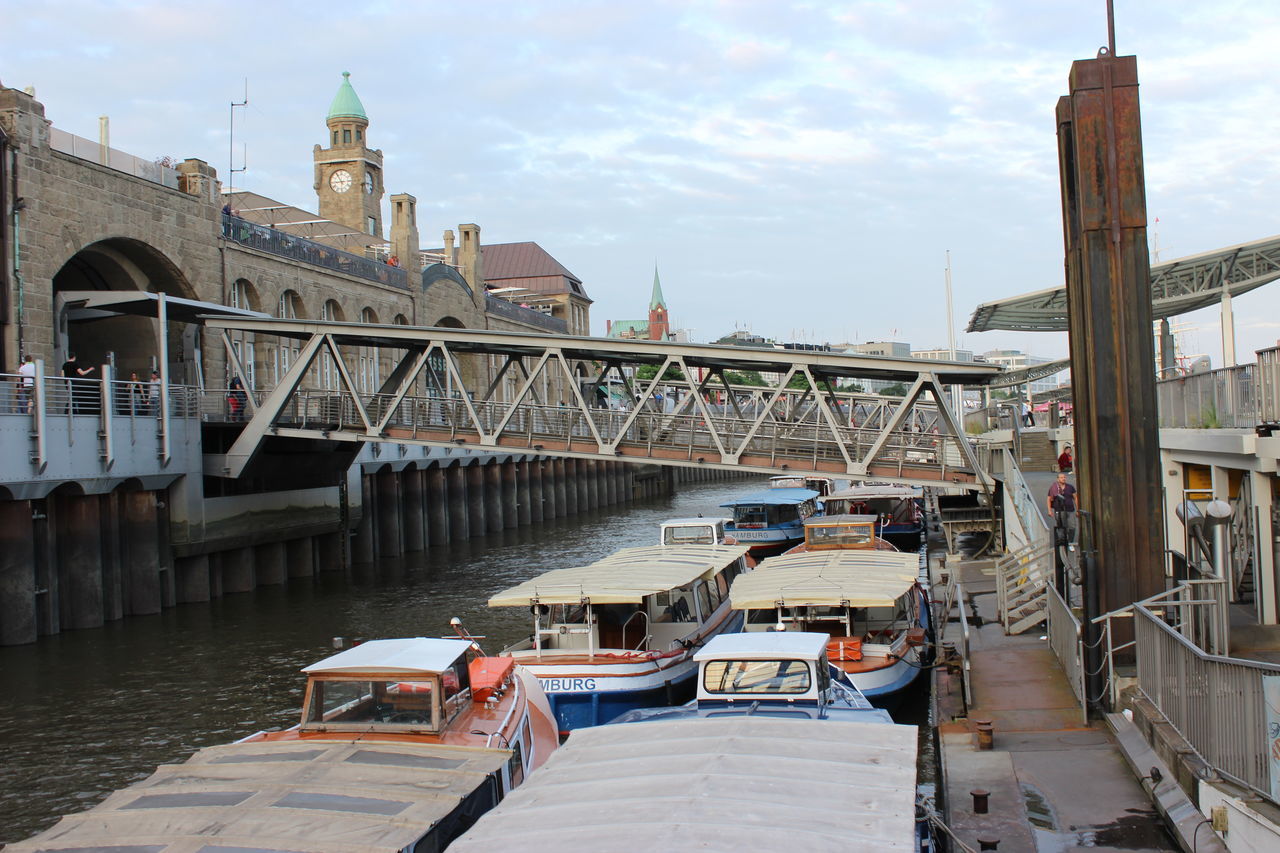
{"x":297,"y":248}
{"x":1238,"y":397}
{"x":528,"y":316}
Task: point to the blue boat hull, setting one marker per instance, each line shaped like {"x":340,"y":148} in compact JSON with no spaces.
{"x":579,"y":710}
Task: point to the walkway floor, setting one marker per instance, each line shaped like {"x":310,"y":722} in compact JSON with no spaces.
{"x":1056,"y":783}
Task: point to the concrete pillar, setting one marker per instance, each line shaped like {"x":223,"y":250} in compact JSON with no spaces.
{"x":561,"y":484}
{"x":269,"y":564}
{"x":592,"y":479}
{"x":537,"y":500}
{"x":215,"y":575}
{"x":300,"y":558}
{"x":114,"y":582}
{"x":547,"y":473}
{"x":78,"y":540}
{"x":329,"y":552}
{"x":1266,"y":583}
{"x":493,"y":508}
{"x":475,"y":499}
{"x":364,"y":548}
{"x":583,"y":483}
{"x":44,"y":544}
{"x":192,"y":579}
{"x":142,"y":553}
{"x":387,"y":483}
{"x":437,"y":503}
{"x":414,"y":522}
{"x":238,"y":573}
{"x":459,"y":506}
{"x":611,"y":481}
{"x":572,"y":474}
{"x":17,"y":574}
{"x":524,"y":496}
{"x":510,"y":499}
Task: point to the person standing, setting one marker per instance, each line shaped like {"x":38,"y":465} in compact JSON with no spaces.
{"x":74,"y":374}
{"x":26,"y":384}
{"x":236,"y":398}
{"x":1065,"y":461}
{"x":1028,"y":419}
{"x":137,"y":395}
{"x":1062,"y":506}
{"x":153,"y":395}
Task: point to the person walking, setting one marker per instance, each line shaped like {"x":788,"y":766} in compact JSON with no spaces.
{"x":26,"y":384}
{"x":1028,"y":419}
{"x":1065,"y":461}
{"x":74,"y":374}
{"x":1061,"y":503}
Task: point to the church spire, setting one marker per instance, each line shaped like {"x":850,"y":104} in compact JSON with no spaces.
{"x":656,"y":300}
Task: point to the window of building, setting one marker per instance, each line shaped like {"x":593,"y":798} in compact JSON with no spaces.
{"x":335,"y":137}
{"x":359,"y":135}
{"x":373,"y":226}
{"x":346,"y":136}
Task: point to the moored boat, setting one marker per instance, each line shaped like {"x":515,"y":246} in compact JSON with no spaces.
{"x":693,"y":531}
{"x":779,"y":673}
{"x":870,"y":602}
{"x":772,"y":520}
{"x":897,"y":509}
{"x":620,"y":633}
{"x":402,"y":744}
{"x":820,"y":483}
{"x":841,"y":532}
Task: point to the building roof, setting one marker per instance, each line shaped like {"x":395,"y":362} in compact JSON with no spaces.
{"x":529,"y":263}
{"x":656,"y":300}
{"x":346,"y":104}
{"x":628,"y":329}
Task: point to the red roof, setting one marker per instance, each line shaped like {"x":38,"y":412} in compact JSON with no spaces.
{"x":527,"y":265}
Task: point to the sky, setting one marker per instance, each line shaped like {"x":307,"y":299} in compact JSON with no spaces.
{"x":797,"y":169}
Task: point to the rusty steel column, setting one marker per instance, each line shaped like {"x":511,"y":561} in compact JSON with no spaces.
{"x":1112,"y":357}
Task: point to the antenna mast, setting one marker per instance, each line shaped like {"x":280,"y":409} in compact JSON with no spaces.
{"x":231,"y":142}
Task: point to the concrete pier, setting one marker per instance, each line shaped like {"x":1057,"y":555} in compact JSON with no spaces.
{"x":79,"y":553}
{"x":18,"y":622}
{"x":413,"y":521}
{"x":141,"y":547}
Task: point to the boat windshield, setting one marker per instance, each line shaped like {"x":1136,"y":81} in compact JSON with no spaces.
{"x":763,"y":515}
{"x":694,"y":534}
{"x":756,"y":676}
{"x":345,"y":703}
{"x":859,"y":535}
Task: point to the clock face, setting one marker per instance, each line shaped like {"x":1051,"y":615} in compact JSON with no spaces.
{"x":340,"y":181}
{"x":368,"y":183}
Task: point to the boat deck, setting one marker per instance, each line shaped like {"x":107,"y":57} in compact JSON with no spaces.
{"x":298,"y":796}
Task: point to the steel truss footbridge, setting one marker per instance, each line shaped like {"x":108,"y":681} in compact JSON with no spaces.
{"x":579,"y":397}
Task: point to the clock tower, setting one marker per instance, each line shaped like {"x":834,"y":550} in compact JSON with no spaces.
{"x":348,"y":173}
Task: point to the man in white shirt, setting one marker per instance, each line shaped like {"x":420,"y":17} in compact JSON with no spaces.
{"x":27,"y":384}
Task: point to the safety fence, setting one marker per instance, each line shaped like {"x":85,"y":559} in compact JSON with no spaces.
{"x":1067,"y":643}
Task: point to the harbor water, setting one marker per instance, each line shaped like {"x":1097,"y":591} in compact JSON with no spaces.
{"x":87,"y":712}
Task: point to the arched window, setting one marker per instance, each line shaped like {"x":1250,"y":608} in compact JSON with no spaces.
{"x":401,"y":320}
{"x":290,"y":307}
{"x":367,"y":315}
{"x":331,"y":311}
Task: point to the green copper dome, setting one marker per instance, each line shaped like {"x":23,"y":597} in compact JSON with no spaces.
{"x":346,"y":104}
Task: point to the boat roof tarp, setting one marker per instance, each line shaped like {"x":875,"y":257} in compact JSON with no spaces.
{"x":310,"y":796}
{"x":826,"y":578}
{"x":883,"y":490}
{"x":624,"y":577}
{"x":775,"y":496}
{"x":764,"y":645}
{"x":735,"y":783}
{"x":409,"y":656}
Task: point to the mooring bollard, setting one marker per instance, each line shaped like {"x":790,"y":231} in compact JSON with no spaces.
{"x":986,"y":734}
{"x":988,"y":843}
{"x":981,"y":800}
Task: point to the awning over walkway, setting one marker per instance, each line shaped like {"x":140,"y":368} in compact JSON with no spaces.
{"x":1177,"y":287}
{"x":262,"y":210}
{"x":83,"y":305}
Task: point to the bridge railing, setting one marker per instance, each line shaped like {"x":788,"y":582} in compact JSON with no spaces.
{"x":1268,"y":377}
{"x":284,"y":244}
{"x":809,"y":440}
{"x":1225,"y":398}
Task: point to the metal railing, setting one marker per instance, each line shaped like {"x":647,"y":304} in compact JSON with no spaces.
{"x":1026,"y":508}
{"x":96,"y":152}
{"x":1216,"y":399}
{"x":1268,"y":377}
{"x":287,"y":245}
{"x":1022,"y":577}
{"x":1215,"y":702}
{"x":527,"y":316}
{"x":64,"y":396}
{"x":1066,"y":642}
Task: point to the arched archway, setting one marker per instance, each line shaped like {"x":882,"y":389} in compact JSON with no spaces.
{"x":124,"y":264}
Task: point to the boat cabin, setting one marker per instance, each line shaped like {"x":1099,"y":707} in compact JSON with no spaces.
{"x":409,"y":685}
{"x":634,"y":600}
{"x":693,"y":531}
{"x":846,"y":532}
{"x":868,"y":601}
{"x":823,"y":485}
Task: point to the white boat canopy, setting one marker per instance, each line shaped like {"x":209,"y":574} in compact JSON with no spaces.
{"x":827,"y":578}
{"x":733,"y":783}
{"x":884,"y":490}
{"x":774,"y":645}
{"x":416,"y":655}
{"x":624,"y":577}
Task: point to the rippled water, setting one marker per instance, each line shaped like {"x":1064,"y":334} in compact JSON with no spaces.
{"x":87,"y":712}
